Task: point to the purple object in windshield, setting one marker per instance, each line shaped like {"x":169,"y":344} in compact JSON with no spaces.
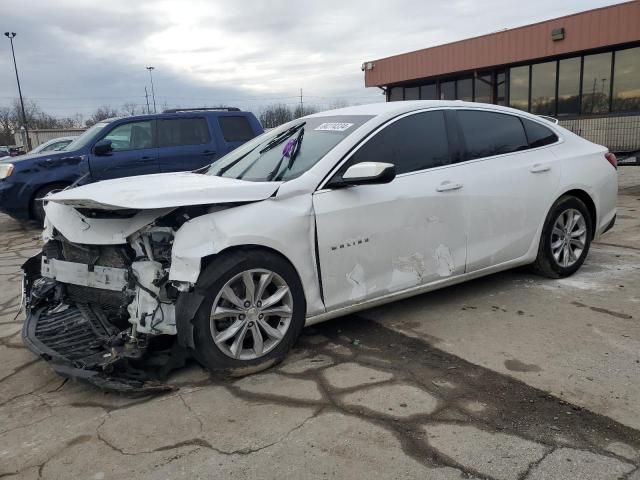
{"x":289,"y":147}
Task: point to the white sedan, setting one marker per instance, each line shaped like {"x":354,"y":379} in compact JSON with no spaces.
{"x":327,"y":215}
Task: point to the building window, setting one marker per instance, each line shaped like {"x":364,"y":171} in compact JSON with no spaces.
{"x":396,"y":94}
{"x":519,"y":87}
{"x":569,"y":86}
{"x":429,"y":92}
{"x":543,"y":88}
{"x":448,"y":90}
{"x":501,"y":83}
{"x":596,"y":83}
{"x":484,"y":88}
{"x":465,"y":89}
{"x":626,"y":80}
{"x":412,"y":93}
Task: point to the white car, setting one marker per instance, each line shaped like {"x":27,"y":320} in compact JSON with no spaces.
{"x":327,"y":215}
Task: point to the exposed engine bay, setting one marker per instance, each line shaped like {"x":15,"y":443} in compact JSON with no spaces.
{"x":106,"y":310}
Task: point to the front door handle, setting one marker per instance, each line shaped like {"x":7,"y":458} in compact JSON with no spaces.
{"x":540,"y":168}
{"x":447,"y":186}
{"x":208,"y":153}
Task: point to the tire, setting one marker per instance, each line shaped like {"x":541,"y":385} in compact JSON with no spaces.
{"x":554,"y":260}
{"x":37,"y":207}
{"x":233,"y":270}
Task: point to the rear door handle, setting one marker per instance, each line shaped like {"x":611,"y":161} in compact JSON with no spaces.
{"x":540,"y":168}
{"x":447,"y":186}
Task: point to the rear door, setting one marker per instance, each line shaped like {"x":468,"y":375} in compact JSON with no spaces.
{"x":375,"y":240}
{"x":134,"y":152}
{"x":185,"y":144}
{"x":510,"y":177}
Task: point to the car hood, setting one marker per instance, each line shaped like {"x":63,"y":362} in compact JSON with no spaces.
{"x":36,"y":156}
{"x":165,"y":190}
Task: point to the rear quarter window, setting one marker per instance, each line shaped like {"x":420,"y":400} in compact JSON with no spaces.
{"x":538,"y":135}
{"x":236,"y":128}
{"x":489,"y":133}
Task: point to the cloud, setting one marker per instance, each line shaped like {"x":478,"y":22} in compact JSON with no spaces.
{"x":75,"y":55}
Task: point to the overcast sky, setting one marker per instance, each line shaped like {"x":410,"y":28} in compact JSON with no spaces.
{"x":75,"y":55}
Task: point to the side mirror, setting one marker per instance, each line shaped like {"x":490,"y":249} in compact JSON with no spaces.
{"x":366,"y":173}
{"x":103,"y":147}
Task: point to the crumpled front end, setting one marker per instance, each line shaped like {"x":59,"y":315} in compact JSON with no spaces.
{"x":104,"y":313}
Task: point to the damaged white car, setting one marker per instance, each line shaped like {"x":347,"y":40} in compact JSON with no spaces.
{"x":327,"y":215}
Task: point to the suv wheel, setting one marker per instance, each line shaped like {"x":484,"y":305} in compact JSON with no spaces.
{"x":566,"y":238}
{"x":253,"y":312}
{"x":37,"y":207}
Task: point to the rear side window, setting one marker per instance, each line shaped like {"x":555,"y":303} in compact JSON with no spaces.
{"x":538,"y":135}
{"x":236,"y":129}
{"x":412,"y":143}
{"x":488,"y":133}
{"x":177,"y":132}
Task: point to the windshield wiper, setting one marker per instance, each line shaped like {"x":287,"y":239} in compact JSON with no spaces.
{"x":293,"y":154}
{"x":281,"y":137}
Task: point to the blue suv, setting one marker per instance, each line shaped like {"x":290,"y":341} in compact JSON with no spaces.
{"x":172,"y":141}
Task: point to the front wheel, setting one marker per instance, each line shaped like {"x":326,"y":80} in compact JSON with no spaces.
{"x":253,"y":312}
{"x":566,"y":238}
{"x":37,"y":205}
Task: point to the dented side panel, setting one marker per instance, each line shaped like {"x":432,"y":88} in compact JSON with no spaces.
{"x":285,"y":225}
{"x":379,"y":239}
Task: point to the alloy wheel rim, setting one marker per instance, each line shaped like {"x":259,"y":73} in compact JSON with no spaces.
{"x":251,"y":314}
{"x":568,"y":237}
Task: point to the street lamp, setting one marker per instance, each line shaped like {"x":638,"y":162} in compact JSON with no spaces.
{"x":153,"y":93}
{"x":10,"y":36}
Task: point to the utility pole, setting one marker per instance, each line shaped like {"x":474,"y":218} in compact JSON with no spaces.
{"x":153,"y":93}
{"x":301,"y":105}
{"x":146,"y":95}
{"x":10,"y":36}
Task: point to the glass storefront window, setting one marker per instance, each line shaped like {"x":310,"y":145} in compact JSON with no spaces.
{"x":500,"y":88}
{"x":396,"y":94}
{"x":626,"y":80}
{"x":448,"y":90}
{"x":412,"y":93}
{"x":483,"y":88}
{"x":429,"y":92}
{"x":543,"y":88}
{"x":519,"y":87}
{"x":465,"y":89}
{"x":596,"y":82}
{"x":569,"y":86}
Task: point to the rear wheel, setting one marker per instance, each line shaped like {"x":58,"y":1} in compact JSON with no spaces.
{"x":566,"y":238}
{"x":37,"y":206}
{"x":253,"y":312}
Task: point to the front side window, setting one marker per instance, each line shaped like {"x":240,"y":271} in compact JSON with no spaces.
{"x":177,"y":132}
{"x":538,"y":135}
{"x":489,"y":133}
{"x":626,"y":80}
{"x":519,"y":88}
{"x":236,"y":128}
{"x":596,"y":82}
{"x":131,"y":136}
{"x":412,"y":143}
{"x":543,"y":88}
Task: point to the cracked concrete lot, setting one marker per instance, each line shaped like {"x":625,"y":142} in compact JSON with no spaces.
{"x":508,"y":377}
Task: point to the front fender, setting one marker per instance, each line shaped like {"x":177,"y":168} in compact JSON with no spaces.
{"x":284,"y":225}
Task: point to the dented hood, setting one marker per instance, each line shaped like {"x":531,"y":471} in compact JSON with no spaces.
{"x":165,"y":190}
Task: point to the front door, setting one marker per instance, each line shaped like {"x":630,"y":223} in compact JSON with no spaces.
{"x":134,"y":152}
{"x":380,"y":239}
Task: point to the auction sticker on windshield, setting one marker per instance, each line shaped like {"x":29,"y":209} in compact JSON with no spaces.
{"x":334,"y":127}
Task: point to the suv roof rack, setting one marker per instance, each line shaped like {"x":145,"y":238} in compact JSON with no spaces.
{"x":225,"y":109}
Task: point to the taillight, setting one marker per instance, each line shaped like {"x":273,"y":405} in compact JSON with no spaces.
{"x":611,"y":158}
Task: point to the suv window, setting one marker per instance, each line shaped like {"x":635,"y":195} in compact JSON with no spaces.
{"x":176,"y":132}
{"x":538,"y":135}
{"x":131,"y":136}
{"x":412,"y":143}
{"x":489,"y":133}
{"x":236,"y":129}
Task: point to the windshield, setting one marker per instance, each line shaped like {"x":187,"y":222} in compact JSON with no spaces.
{"x":271,"y":152}
{"x":86,"y":137}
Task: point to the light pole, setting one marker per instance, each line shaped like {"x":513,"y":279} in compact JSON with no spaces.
{"x":10,"y":36}
{"x":153,"y":93}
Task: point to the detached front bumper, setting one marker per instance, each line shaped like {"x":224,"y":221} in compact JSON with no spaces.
{"x":78,"y":345}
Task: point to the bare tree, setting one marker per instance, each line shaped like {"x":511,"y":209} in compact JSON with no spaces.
{"x":130,"y":109}
{"x":102,"y":113}
{"x":275,"y":115}
{"x":302,"y":110}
